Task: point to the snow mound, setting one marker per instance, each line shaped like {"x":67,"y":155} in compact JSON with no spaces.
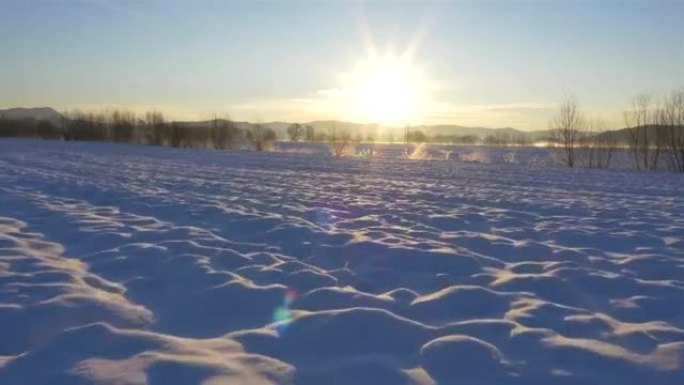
{"x":456,"y":358}
{"x":100,"y":353}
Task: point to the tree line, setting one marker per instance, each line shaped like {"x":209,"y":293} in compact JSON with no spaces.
{"x":218,"y":133}
{"x":151,"y":128}
{"x":655,"y":134}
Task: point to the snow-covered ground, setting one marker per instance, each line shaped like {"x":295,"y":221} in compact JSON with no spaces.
{"x":126,"y":264}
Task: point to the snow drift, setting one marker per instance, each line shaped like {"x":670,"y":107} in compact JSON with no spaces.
{"x":126,"y":264}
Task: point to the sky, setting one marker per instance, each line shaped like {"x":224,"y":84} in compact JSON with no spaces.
{"x":466,"y":62}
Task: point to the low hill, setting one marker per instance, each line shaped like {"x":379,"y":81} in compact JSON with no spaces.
{"x":41,"y":113}
{"x":623,"y":135}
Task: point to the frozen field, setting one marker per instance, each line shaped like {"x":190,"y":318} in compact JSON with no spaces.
{"x":125,"y":265}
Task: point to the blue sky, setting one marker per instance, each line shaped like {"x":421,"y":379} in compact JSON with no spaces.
{"x":489,"y":63}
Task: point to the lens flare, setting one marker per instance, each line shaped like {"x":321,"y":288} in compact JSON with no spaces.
{"x":282,"y":316}
{"x":290,"y":296}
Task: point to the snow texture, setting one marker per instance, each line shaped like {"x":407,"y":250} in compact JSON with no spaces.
{"x":124,"y":264}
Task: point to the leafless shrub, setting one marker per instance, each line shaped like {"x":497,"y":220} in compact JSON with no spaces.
{"x":78,"y":125}
{"x":224,"y":133}
{"x":154,"y":125}
{"x":605,"y":146}
{"x":309,"y":134}
{"x":295,"y":131}
{"x":498,"y":139}
{"x":339,"y":142}
{"x":261,"y":137}
{"x":567,"y":127}
{"x":644,"y":142}
{"x":123,"y":126}
{"x":178,"y":135}
{"x":671,"y":120}
{"x":595,"y":146}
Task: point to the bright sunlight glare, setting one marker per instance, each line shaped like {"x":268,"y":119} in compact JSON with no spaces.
{"x":386,"y":91}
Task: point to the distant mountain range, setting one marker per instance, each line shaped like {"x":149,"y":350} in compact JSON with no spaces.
{"x":325,"y":126}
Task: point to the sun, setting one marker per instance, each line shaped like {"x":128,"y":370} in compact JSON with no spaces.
{"x":386,"y":91}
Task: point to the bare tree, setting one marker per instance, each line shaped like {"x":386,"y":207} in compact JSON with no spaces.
{"x":218,"y":135}
{"x":604,"y":143}
{"x":672,"y":123}
{"x":309,"y":134}
{"x":123,"y":126}
{"x":100,"y":129}
{"x":85,"y":126}
{"x":641,"y":124}
{"x":500,"y":138}
{"x":233,"y":133}
{"x":567,"y":127}
{"x":178,"y":135}
{"x":262,"y":137}
{"x":659,"y":135}
{"x":586,"y":153}
{"x":65,"y":126}
{"x":595,"y":146}
{"x":339,"y":141}
{"x":154,"y":123}
{"x":295,"y":131}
